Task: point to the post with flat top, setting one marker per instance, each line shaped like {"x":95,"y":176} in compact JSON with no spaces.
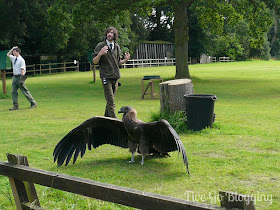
{"x":24,"y":192}
{"x":93,"y":72}
{"x":3,"y":75}
{"x":231,"y":200}
{"x":50,"y":68}
{"x":78,"y":66}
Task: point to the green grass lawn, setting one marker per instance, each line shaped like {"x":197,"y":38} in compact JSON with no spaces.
{"x":241,"y":153}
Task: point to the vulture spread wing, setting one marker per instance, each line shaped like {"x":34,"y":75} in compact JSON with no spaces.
{"x":91,"y":133}
{"x":164,"y":138}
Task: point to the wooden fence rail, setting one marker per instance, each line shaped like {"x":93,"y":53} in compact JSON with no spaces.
{"x":22,"y":175}
{"x":40,"y":68}
{"x":149,"y":62}
{"x":224,"y":59}
{"x":65,"y":66}
{"x":50,"y":67}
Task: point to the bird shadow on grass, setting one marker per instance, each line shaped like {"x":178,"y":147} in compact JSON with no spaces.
{"x":120,"y":166}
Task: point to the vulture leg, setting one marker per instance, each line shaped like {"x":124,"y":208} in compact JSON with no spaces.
{"x":132,"y":148}
{"x":132,"y":158}
{"x":144,"y":148}
{"x":142,"y":161}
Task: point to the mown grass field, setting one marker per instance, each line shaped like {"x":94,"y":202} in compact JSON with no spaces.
{"x":240,"y":154}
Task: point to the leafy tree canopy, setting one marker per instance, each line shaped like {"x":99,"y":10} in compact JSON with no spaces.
{"x":70,"y":28}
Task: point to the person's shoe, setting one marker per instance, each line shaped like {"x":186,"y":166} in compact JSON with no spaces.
{"x":33,"y":106}
{"x":15,"y":107}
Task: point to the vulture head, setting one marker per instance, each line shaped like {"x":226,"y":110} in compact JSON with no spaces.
{"x":126,"y":109}
{"x":130,"y":132}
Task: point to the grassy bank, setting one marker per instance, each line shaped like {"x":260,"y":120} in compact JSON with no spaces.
{"x":240,"y":154}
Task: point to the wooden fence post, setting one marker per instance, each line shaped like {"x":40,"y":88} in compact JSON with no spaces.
{"x":50,"y":68}
{"x":64,"y":66}
{"x":230,"y":200}
{"x":94,"y":74}
{"x":3,"y":75}
{"x":34,"y":69}
{"x":24,"y":192}
{"x":78,"y":66}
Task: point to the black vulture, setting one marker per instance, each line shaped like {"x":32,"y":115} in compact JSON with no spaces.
{"x":129,"y":133}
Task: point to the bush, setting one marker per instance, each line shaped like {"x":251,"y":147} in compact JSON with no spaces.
{"x":228,"y":46}
{"x":177,"y":120}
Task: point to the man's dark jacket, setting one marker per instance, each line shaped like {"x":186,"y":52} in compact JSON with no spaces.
{"x":108,"y":63}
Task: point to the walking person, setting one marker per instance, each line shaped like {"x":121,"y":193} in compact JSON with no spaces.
{"x":19,"y":70}
{"x":108,"y":55}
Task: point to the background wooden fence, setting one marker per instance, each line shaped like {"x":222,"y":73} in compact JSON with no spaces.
{"x":150,"y":62}
{"x":43,"y":69}
{"x":22,"y":179}
{"x":75,"y":66}
{"x":50,"y":68}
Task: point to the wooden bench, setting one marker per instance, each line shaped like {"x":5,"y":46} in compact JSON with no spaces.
{"x":151,"y":80}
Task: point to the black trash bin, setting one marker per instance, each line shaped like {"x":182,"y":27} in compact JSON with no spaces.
{"x":200,"y":111}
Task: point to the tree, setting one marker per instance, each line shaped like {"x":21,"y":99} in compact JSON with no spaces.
{"x":59,"y":28}
{"x":139,"y":32}
{"x":274,"y":37}
{"x":71,"y":27}
{"x":212,"y":15}
{"x":160,"y":23}
{"x":22,"y":24}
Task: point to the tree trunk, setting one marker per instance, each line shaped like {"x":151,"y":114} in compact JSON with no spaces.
{"x":275,"y":21}
{"x":181,"y":30}
{"x":172,"y":95}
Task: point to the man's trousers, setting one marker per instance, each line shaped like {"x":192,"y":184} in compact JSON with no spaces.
{"x":110,"y":89}
{"x":17,"y":85}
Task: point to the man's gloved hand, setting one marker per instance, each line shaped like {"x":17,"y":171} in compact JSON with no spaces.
{"x":22,"y":79}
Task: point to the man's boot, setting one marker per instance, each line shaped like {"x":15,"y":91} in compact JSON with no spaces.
{"x":33,"y":106}
{"x":15,"y":107}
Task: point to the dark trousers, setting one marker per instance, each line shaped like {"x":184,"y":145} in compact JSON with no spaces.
{"x":110,"y":90}
{"x":17,"y":85}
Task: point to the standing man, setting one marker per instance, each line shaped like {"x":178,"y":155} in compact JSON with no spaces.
{"x":108,"y":55}
{"x":19,"y":70}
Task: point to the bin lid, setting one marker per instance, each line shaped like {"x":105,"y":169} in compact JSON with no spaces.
{"x":201,"y":96}
{"x":151,"y":77}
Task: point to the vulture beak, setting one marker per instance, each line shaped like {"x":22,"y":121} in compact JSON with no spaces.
{"x":125,"y":109}
{"x":121,"y":110}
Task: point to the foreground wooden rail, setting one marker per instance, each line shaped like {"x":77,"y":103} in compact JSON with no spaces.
{"x":22,"y":178}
